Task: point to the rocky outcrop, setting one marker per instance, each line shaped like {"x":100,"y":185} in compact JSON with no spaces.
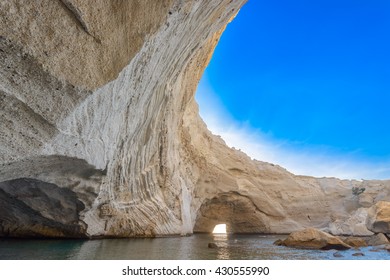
{"x":355,"y":241}
{"x":378,"y":239}
{"x":354,"y":225}
{"x":311,"y":238}
{"x":97,"y":101}
{"x":379,"y":217}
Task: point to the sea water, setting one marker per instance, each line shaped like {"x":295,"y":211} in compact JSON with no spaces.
{"x":195,"y":247}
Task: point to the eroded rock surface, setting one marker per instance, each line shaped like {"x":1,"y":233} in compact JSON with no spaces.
{"x":97,"y":98}
{"x":85,"y":42}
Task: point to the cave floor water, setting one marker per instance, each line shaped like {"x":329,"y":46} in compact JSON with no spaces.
{"x":195,"y":247}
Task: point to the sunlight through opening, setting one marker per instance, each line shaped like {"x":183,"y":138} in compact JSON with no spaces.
{"x":221,"y":228}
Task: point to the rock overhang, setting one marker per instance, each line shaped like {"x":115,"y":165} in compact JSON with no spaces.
{"x":111,"y":116}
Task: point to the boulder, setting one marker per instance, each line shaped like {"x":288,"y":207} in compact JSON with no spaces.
{"x":378,"y":239}
{"x":355,"y":241}
{"x":212,"y":245}
{"x":311,"y":238}
{"x":378,"y":219}
{"x":354,"y":225}
{"x":278,"y":242}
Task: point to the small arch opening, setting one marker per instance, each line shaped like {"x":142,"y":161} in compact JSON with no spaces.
{"x":220,"y":229}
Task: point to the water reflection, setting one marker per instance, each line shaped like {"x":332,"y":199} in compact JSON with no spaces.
{"x":195,"y":247}
{"x":147,"y":248}
{"x":223,"y":250}
{"x":14,"y":249}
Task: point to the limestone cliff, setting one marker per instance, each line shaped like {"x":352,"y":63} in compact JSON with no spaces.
{"x":100,"y":134}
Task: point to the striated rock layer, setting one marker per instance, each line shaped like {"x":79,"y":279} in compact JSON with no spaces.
{"x":100,"y":134}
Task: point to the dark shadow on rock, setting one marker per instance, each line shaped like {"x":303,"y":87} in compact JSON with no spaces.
{"x":33,"y":208}
{"x":66,"y":172}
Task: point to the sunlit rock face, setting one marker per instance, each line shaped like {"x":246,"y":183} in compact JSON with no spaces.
{"x":254,"y":196}
{"x":379,"y":217}
{"x":97,"y":115}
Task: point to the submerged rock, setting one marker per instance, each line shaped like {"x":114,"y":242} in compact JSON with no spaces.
{"x":375,"y":250}
{"x":337,"y":255}
{"x":278,"y":242}
{"x":212,"y":245}
{"x":359,"y":254}
{"x":311,"y":238}
{"x":379,"y":248}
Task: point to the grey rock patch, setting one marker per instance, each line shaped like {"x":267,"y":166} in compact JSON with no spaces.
{"x":39,"y":209}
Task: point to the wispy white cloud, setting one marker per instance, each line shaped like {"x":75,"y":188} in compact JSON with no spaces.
{"x":298,"y":158}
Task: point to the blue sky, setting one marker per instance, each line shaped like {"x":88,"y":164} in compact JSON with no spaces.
{"x":305,"y":84}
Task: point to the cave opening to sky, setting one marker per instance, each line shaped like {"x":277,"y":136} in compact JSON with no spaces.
{"x":220,"y":229}
{"x":306,"y":85}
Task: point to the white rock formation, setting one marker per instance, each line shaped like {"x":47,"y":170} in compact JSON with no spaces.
{"x":354,"y":225}
{"x":98,"y":97}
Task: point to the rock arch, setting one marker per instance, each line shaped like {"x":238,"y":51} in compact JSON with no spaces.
{"x":236,"y":211}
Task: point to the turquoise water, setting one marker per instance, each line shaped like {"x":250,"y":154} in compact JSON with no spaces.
{"x":195,"y":247}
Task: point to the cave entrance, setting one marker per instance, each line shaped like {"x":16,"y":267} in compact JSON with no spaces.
{"x":220,"y":229}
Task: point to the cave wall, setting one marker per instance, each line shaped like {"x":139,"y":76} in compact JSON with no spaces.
{"x":97,"y":97}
